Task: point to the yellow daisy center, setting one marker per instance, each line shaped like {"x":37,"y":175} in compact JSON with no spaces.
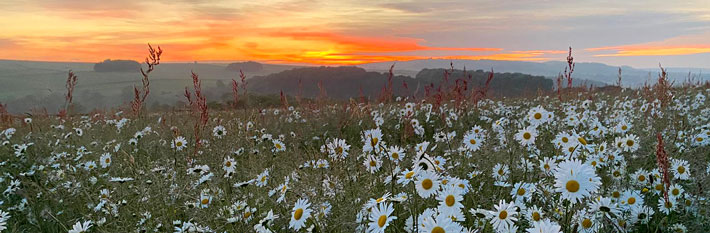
{"x":572,"y":186}
{"x":521,"y":191}
{"x":503,"y":214}
{"x":630,"y":142}
{"x":427,"y":184}
{"x":409,"y":175}
{"x":527,"y":135}
{"x":586,"y":223}
{"x":450,"y":200}
{"x":298,"y":214}
{"x":382,"y":220}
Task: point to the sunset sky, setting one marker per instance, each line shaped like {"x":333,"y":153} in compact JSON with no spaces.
{"x":636,"y":33}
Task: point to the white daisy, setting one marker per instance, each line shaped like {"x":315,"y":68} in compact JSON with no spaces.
{"x":300,"y":214}
{"x":380,"y":217}
{"x":545,"y":226}
{"x":105,"y":160}
{"x":575,"y":180}
{"x":504,"y":215}
{"x":179,"y":143}
{"x":427,"y":183}
{"x":526,"y":136}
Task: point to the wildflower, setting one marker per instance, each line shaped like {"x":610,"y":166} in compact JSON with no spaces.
{"x":500,"y":171}
{"x":472,"y":141}
{"x":533,"y":214}
{"x":80,"y":227}
{"x":631,"y":199}
{"x":675,"y":191}
{"x":407,"y":176}
{"x":604,"y":206}
{"x":219,"y":131}
{"x":642,"y":214}
{"x":338,"y":148}
{"x":300,"y":214}
{"x":537,"y":115}
{"x":89,"y":165}
{"x":587,"y":222}
{"x":522,"y":191}
{"x":504,"y":215}
{"x":279,"y":146}
{"x":630,"y":143}
{"x":575,"y":180}
{"x":680,"y":169}
{"x":526,"y":136}
{"x":396,"y":154}
{"x":263,"y":178}
{"x":380,"y":217}
{"x":179,"y":143}
{"x":4,"y":217}
{"x":79,"y":132}
{"x":229,"y":165}
{"x":105,"y":160}
{"x":544,"y":226}
{"x":450,"y":199}
{"x":439,"y":224}
{"x":427,"y":183}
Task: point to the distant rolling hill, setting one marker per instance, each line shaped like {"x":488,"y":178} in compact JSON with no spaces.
{"x":28,"y":84}
{"x":592,"y":73}
{"x":347,"y":82}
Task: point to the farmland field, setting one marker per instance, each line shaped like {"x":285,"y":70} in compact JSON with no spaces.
{"x":632,"y":161}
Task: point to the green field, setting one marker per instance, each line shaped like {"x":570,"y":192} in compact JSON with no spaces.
{"x":537,"y":164}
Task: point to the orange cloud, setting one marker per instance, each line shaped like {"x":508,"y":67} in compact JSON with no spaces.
{"x":369,"y":44}
{"x":651,"y":50}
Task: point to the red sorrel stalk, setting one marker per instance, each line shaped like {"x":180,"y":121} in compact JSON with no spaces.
{"x":235,"y":93}
{"x":570,"y":68}
{"x":71,"y":84}
{"x":481,"y":92}
{"x":5,"y":117}
{"x":244,"y":85}
{"x":559,"y":87}
{"x":300,"y":91}
{"x":284,"y":101}
{"x":618,"y":82}
{"x":663,"y":87}
{"x":139,"y":96}
{"x":662,"y":161}
{"x":322,"y":93}
{"x":387,"y":90}
{"x":198,"y":106}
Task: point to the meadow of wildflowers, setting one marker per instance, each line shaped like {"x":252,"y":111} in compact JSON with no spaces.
{"x":631,"y":161}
